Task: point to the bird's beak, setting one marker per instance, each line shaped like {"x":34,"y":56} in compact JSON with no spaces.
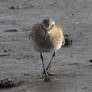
{"x":45,"y":34}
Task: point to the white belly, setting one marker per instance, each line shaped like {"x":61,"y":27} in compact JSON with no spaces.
{"x":40,"y":49}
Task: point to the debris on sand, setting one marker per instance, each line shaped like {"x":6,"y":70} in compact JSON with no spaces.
{"x":90,"y":60}
{"x":68,"y":40}
{"x":8,"y":83}
{"x":11,"y":30}
{"x":4,"y":54}
{"x":15,"y":7}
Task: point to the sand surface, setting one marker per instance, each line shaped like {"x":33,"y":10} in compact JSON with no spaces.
{"x":19,"y":60}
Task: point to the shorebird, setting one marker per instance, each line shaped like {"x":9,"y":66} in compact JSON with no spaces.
{"x":47,"y":37}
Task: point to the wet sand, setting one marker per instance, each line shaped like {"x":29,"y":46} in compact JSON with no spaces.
{"x":19,"y":60}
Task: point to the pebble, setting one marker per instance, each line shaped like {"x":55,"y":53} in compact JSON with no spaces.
{"x":8,"y":83}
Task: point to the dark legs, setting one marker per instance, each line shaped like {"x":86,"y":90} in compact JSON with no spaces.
{"x":50,"y":63}
{"x":47,"y":69}
{"x":44,"y":70}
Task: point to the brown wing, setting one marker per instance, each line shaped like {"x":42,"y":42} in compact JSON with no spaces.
{"x":58,"y":35}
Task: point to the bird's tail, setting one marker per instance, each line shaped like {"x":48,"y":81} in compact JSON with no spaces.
{"x":68,"y":40}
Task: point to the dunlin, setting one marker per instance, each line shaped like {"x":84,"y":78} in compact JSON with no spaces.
{"x":47,"y":37}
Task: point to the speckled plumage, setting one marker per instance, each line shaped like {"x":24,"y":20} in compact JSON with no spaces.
{"x":54,"y":40}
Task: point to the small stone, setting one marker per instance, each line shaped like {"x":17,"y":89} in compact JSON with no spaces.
{"x":5,"y":51}
{"x":90,"y":60}
{"x":72,"y":14}
{"x":11,"y":30}
{"x":15,"y":7}
{"x":12,"y":7}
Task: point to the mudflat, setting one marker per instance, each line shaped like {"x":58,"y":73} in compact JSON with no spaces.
{"x":19,"y":60}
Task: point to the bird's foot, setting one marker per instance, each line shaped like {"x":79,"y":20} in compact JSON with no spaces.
{"x":47,"y":76}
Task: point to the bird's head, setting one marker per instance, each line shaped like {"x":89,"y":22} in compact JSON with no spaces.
{"x":48,"y":25}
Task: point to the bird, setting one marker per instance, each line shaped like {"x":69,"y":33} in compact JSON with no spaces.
{"x":47,"y":36}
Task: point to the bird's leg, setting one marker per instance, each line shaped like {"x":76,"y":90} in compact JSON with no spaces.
{"x":44,"y":74}
{"x":50,"y":63}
